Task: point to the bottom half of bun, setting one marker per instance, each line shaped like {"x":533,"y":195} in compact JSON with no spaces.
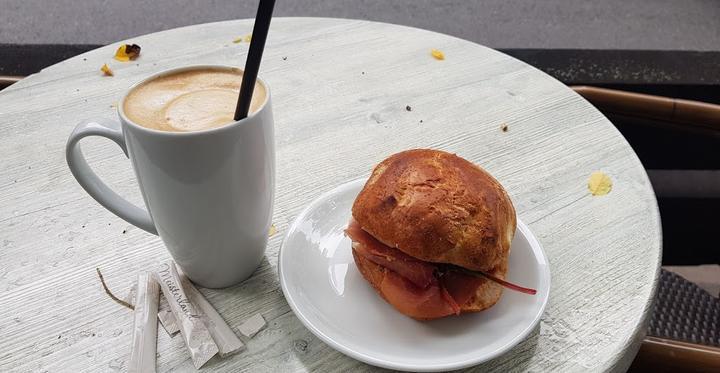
{"x":383,"y":281}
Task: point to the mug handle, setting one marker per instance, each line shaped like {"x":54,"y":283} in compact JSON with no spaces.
{"x":91,"y":182}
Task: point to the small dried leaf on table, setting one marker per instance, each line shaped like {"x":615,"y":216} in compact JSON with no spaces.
{"x":437,"y":54}
{"x":106,"y":70}
{"x":127,"y":52}
{"x":599,"y":183}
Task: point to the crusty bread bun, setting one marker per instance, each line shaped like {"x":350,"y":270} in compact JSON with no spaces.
{"x":486,"y":295}
{"x":438,"y":207}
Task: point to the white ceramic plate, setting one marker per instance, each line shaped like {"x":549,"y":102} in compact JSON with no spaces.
{"x":329,"y":295}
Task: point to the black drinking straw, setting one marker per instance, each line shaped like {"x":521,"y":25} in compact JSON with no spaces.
{"x":252,"y":63}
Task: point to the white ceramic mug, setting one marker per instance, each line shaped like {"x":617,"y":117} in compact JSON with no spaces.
{"x":209,"y":194}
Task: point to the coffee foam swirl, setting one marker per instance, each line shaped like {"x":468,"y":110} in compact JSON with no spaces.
{"x":192,"y":100}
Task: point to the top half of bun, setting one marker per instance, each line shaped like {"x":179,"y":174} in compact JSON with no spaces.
{"x":438,"y":207}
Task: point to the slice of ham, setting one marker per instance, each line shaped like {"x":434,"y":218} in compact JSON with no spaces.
{"x":418,"y":288}
{"x":428,"y":303}
{"x":418,"y":272}
{"x":450,"y":300}
{"x":411,"y":284}
{"x":460,"y":286}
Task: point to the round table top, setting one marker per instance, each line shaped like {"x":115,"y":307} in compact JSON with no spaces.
{"x":347,"y":94}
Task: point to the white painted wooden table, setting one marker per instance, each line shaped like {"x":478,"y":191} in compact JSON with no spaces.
{"x":340,"y":89}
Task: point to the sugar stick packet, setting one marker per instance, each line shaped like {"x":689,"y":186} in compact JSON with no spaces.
{"x":225,"y":338}
{"x":130,"y":296}
{"x":144,"y":336}
{"x":196,"y":335}
{"x":168,"y":322}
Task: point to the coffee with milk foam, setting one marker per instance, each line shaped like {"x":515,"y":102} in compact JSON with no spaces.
{"x":187,"y":101}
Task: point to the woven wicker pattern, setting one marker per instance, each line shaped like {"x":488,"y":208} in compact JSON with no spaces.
{"x":685,"y":312}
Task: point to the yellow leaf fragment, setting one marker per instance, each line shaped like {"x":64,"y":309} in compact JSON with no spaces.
{"x":247,"y":38}
{"x":238,"y":40}
{"x":439,"y":55}
{"x":599,"y":184}
{"x":272,"y":230}
{"x":127,"y":52}
{"x":120,"y":54}
{"x":106,"y":70}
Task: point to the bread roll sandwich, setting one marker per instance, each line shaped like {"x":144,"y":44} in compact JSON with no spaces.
{"x":431,"y":232}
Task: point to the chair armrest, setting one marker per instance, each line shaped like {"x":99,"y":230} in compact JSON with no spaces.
{"x":7,"y":80}
{"x":664,"y":355}
{"x":677,"y":111}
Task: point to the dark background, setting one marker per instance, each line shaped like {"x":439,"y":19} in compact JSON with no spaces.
{"x":575,"y":24}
